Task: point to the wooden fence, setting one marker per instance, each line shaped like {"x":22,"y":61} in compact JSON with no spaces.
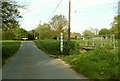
{"x":99,"y":41}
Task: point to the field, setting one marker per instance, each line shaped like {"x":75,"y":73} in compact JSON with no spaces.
{"x":100,"y":63}
{"x":9,"y":48}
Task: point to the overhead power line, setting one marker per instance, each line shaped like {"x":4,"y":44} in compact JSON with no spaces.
{"x":56,"y":8}
{"x":53,"y":11}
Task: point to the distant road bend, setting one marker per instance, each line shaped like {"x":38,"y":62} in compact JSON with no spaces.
{"x":31,"y":63}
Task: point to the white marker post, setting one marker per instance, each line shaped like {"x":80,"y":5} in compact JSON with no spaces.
{"x":61,"y":42}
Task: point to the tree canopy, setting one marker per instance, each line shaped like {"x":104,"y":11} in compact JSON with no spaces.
{"x":10,"y":20}
{"x":87,"y":33}
{"x":44,"y":31}
{"x":115,"y":29}
{"x":104,"y":31}
{"x":59,"y":24}
{"x":52,"y":29}
{"x":10,"y":14}
{"x":20,"y":33}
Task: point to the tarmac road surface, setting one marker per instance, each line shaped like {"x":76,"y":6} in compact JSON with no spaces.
{"x":31,"y":63}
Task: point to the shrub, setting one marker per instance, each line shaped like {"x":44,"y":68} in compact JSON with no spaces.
{"x":53,"y":47}
{"x":71,"y":47}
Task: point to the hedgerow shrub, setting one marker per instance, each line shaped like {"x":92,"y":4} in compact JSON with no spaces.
{"x":53,"y":47}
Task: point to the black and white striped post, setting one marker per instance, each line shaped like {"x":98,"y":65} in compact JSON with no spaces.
{"x":61,"y":42}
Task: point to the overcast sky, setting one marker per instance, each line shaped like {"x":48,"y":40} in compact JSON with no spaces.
{"x":85,"y":14}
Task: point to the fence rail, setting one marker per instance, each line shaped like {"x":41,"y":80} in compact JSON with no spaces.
{"x":99,"y":41}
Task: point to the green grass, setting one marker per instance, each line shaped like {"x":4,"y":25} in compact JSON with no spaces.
{"x":53,"y":46}
{"x":97,"y":64}
{"x":9,"y":48}
{"x":101,"y":63}
{"x":48,"y":46}
{"x":97,"y":42}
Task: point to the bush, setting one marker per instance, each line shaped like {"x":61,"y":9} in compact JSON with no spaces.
{"x":71,"y":47}
{"x":53,"y":47}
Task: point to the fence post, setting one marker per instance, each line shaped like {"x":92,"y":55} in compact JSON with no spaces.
{"x":113,"y":41}
{"x":110,"y":41}
{"x":93,"y":44}
{"x":101,"y":41}
{"x":86,"y":42}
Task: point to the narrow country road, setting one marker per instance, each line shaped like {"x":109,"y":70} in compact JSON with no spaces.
{"x":31,"y":63}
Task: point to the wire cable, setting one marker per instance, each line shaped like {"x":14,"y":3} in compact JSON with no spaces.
{"x":56,"y":8}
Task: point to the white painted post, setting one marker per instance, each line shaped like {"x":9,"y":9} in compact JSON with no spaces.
{"x":61,"y":42}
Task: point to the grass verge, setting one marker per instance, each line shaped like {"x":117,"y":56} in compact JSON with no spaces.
{"x":9,"y":48}
{"x":96,"y":64}
{"x":99,"y":64}
{"x":53,"y":47}
{"x":48,"y":46}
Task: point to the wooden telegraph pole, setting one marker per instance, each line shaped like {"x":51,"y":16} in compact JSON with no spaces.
{"x":69,"y":20}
